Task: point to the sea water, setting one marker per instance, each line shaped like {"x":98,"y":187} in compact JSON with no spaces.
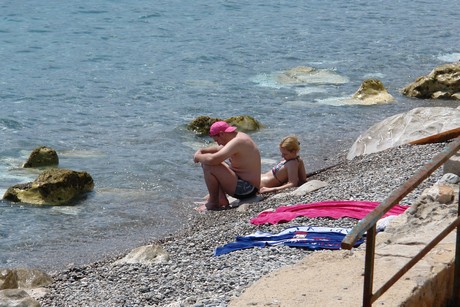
{"x":111,"y":86}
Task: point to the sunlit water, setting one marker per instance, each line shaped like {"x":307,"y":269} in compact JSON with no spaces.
{"x":111,"y":86}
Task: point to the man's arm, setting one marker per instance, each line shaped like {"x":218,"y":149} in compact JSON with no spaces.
{"x":198,"y":156}
{"x":210,"y":149}
{"x":212,"y":157}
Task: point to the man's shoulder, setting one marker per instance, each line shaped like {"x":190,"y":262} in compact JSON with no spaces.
{"x":241,"y":141}
{"x":243,"y":136}
{"x":244,"y":139}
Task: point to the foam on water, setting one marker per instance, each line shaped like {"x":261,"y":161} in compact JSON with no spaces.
{"x":267,"y":80}
{"x":67,"y":210}
{"x":450,"y":57}
{"x":376,"y":75}
{"x":336,"y":101}
{"x":81,"y":153}
{"x":302,"y":91}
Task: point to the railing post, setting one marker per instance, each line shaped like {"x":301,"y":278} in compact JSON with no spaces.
{"x":456,"y":289}
{"x":369,"y":266}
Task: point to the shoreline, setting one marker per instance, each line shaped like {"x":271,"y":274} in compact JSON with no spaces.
{"x":194,"y":277}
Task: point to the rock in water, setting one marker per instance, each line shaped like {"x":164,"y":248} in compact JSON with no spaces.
{"x":42,"y":156}
{"x":52,"y":187}
{"x":442,"y":83}
{"x":372,"y":92}
{"x":246,"y":123}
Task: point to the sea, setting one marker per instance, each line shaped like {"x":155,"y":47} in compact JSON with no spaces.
{"x":112,"y":84}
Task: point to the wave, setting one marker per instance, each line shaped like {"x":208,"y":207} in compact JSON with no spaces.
{"x":450,"y":57}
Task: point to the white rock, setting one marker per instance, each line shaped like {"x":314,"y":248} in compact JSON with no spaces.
{"x":449,"y":178}
{"x":147,"y":254}
{"x":309,"y":186}
{"x":405,"y":127}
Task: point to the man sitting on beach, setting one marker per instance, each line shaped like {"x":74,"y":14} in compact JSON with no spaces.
{"x":239,"y":178}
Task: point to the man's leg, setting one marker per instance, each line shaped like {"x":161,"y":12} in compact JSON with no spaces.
{"x":220,"y":180}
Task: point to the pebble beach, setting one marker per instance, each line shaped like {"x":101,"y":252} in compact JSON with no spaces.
{"x":193,"y":276}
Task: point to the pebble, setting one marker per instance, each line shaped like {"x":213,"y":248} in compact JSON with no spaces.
{"x":194,"y":277}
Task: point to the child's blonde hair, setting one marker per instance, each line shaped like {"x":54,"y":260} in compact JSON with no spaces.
{"x":290,"y":143}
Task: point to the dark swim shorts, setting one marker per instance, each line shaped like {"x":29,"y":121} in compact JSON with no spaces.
{"x":244,"y":189}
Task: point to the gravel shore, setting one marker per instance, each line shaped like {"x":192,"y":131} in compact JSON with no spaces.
{"x":194,"y":277}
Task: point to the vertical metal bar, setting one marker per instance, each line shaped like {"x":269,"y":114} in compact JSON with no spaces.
{"x":456,"y":289}
{"x":369,"y":266}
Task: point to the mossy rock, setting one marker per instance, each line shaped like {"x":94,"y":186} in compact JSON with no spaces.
{"x":41,"y":157}
{"x":443,"y":82}
{"x":201,"y":124}
{"x":52,"y":187}
{"x":246,"y":123}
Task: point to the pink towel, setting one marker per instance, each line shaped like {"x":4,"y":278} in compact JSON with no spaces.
{"x":334,"y":209}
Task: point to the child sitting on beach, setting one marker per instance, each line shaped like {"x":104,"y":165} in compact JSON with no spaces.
{"x":289,"y":172}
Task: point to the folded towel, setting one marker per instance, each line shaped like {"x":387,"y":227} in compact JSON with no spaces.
{"x":313,"y":238}
{"x":334,"y":209}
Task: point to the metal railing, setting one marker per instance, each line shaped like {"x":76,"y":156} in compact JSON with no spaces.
{"x":368,"y":224}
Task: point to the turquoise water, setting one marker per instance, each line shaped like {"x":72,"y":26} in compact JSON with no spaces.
{"x":111,"y":85}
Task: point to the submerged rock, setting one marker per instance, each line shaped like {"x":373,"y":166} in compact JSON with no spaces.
{"x":442,"y":83}
{"x":42,"y":156}
{"x":52,"y":187}
{"x":309,"y":75}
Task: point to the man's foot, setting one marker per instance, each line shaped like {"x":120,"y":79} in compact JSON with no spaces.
{"x":211,"y":207}
{"x":201,"y":208}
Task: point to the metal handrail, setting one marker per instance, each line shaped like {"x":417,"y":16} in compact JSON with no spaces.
{"x":368,"y":224}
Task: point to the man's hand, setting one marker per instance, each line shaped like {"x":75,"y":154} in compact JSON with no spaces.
{"x":198,"y":156}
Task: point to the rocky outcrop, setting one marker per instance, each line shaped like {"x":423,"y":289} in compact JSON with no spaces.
{"x":16,"y":286}
{"x":42,"y":156}
{"x":246,"y":123}
{"x":52,"y":187}
{"x":17,"y":297}
{"x":442,"y":83}
{"x":372,"y":92}
{"x":404,"y":128}
{"x":23,"y":278}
